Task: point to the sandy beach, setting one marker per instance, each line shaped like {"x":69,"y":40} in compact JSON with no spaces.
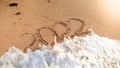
{"x":21,"y":20}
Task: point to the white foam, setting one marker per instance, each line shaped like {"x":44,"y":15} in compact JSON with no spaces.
{"x":91,"y":51}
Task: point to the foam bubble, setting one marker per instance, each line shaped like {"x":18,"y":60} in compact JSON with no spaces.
{"x":91,"y":51}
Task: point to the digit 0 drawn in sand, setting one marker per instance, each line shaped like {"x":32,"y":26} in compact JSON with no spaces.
{"x":47,"y":35}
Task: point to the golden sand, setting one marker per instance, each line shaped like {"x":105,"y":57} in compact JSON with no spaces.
{"x":20,"y":20}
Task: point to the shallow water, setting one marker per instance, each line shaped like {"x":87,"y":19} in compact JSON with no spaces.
{"x":91,"y":51}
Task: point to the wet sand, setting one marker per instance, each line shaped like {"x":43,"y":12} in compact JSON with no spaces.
{"x":20,"y":20}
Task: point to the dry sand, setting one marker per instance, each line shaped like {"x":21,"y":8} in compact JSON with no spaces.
{"x":20,"y":20}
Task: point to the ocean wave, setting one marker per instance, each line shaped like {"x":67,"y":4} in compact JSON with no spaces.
{"x":91,"y":51}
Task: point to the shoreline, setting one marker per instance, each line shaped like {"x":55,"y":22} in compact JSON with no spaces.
{"x":20,"y":17}
{"x":72,"y":52}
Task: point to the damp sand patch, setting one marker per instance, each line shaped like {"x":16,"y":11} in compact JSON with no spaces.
{"x":91,"y":51}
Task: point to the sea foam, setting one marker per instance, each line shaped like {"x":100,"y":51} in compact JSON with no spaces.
{"x":91,"y":51}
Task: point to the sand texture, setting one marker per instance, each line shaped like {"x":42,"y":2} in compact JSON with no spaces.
{"x":91,"y":51}
{"x":26,"y":23}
